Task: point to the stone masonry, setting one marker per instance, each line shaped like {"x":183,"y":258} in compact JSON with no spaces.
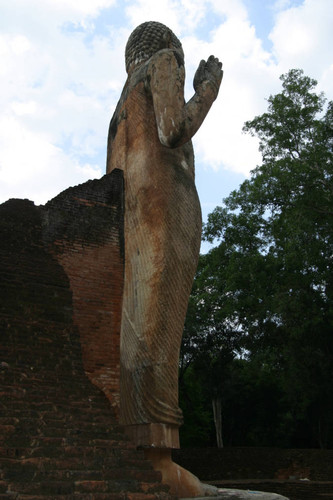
{"x":59,"y":436}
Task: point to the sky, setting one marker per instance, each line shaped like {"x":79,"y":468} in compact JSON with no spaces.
{"x":62,"y":71}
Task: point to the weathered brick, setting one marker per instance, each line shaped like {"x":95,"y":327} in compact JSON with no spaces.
{"x":91,"y":486}
{"x":59,"y":266}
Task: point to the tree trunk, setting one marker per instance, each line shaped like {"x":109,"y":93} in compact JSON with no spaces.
{"x":217,"y":411}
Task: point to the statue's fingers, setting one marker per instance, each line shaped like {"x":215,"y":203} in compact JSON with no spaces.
{"x":213,"y":59}
{"x":199,"y":74}
{"x":200,"y":71}
{"x":201,"y":67}
{"x":218,"y":62}
{"x":214,"y":62}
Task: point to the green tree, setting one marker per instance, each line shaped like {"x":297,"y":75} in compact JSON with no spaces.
{"x":199,"y":427}
{"x":210,"y":339}
{"x":269,"y":279}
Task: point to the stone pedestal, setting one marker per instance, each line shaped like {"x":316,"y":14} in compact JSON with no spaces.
{"x":224,"y":494}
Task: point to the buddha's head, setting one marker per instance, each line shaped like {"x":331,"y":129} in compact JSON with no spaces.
{"x":147,"y":39}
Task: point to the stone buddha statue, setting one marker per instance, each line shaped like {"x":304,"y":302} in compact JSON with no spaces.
{"x":150,"y":140}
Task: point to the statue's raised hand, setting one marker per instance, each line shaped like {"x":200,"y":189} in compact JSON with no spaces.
{"x":209,"y":71}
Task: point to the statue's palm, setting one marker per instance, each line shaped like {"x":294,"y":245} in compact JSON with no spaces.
{"x":210,"y":70}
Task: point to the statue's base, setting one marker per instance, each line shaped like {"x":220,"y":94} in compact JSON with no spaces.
{"x":184,"y":485}
{"x":230,"y":494}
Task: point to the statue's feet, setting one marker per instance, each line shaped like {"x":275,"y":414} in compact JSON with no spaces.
{"x":182,"y":482}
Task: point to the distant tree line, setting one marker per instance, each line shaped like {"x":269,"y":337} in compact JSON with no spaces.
{"x":256,"y":364}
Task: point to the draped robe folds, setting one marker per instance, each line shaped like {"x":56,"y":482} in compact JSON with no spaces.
{"x":162,"y":241}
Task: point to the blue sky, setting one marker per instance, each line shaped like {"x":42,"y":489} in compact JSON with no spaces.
{"x":62,"y":72}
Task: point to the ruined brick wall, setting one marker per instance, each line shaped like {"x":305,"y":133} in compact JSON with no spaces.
{"x":83,"y":229}
{"x":59,"y":435}
{"x":79,"y":233}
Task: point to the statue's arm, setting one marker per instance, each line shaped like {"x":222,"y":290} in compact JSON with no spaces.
{"x":176,"y":121}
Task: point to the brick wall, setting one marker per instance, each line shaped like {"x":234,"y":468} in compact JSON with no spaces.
{"x":84,"y":231}
{"x":61,"y":281}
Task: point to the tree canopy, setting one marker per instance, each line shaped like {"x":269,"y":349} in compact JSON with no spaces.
{"x":263,"y":296}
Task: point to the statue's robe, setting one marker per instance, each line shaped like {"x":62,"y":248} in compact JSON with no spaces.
{"x":162,"y":241}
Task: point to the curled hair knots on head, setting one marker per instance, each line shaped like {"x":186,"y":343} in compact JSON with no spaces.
{"x":147,"y":39}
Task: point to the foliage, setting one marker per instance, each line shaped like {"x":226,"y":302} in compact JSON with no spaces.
{"x":199,"y":429}
{"x":265,"y":292}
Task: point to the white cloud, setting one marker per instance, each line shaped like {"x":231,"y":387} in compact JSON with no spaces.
{"x":163,"y":11}
{"x":229,"y":8}
{"x":302,"y":37}
{"x":83,"y":7}
{"x":248,"y":72}
{"x":32,"y":167}
{"x":61,"y":78}
{"x":24,"y":108}
{"x":56,"y":98}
